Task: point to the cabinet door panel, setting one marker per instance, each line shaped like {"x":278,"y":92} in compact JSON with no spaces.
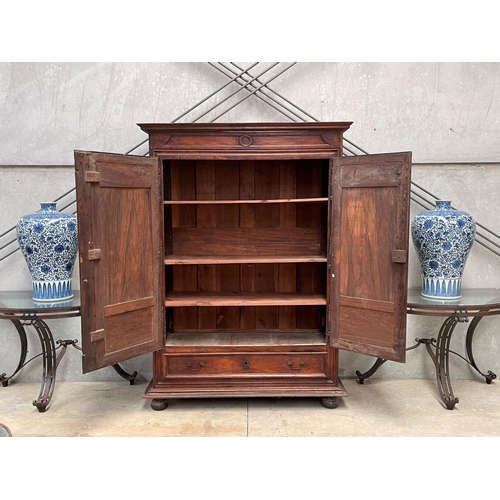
{"x":369,"y":252}
{"x":118,"y":201}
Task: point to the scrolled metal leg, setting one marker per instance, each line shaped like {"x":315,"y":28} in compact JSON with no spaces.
{"x":4,"y":379}
{"x":124,"y":374}
{"x":371,"y":371}
{"x":441,"y":361}
{"x":49,"y":360}
{"x":489,"y":375}
{"x":380,"y":361}
{"x":49,"y":364}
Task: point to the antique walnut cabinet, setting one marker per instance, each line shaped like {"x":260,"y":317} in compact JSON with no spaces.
{"x":244,"y":256}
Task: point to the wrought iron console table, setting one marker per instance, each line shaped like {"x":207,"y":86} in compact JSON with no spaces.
{"x":19,"y":308}
{"x":474,"y":305}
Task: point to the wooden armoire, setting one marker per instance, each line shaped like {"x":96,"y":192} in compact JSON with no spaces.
{"x":244,"y":255}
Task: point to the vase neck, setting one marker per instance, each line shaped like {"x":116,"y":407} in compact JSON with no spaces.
{"x":48,"y":206}
{"x":442,"y":204}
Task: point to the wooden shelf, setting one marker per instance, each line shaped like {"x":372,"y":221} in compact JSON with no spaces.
{"x":241,"y":259}
{"x":239,"y":202}
{"x":194,"y":299}
{"x":203,"y":342}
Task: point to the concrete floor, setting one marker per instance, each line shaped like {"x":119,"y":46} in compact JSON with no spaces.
{"x":379,"y":408}
{"x":231,"y":466}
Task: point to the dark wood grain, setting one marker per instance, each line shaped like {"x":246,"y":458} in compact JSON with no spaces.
{"x":121,"y":290}
{"x":206,"y":218}
{"x":370,"y":221}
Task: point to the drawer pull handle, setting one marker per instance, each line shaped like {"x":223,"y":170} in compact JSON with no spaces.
{"x":246,"y":364}
{"x":188,"y":364}
{"x":301,"y":364}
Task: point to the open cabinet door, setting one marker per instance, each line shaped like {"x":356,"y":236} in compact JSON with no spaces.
{"x":369,"y":254}
{"x":121,"y":258}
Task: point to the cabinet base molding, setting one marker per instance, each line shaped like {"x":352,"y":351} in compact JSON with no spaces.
{"x":246,"y":389}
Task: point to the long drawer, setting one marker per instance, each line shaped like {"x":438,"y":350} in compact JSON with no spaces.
{"x":251,"y":364}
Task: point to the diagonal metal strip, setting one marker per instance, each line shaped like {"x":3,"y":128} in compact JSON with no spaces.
{"x":255,"y":86}
{"x":280,"y":108}
{"x":416,"y":197}
{"x":10,"y":232}
{"x":283,"y":98}
{"x":254,"y":91}
{"x":233,"y":79}
{"x":233,"y":94}
{"x":199,"y":103}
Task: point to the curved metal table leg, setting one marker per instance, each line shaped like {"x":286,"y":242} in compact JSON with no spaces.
{"x":50,"y":363}
{"x":127,"y":376}
{"x":489,"y":375}
{"x":441,"y":361}
{"x":380,"y":361}
{"x":4,"y":379}
{"x":124,"y":374}
{"x":362,"y":376}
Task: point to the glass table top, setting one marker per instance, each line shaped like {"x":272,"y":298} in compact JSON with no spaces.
{"x":470,"y":297}
{"x":23,"y":301}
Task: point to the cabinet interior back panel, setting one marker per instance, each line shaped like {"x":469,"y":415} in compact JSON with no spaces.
{"x":272,"y":278}
{"x":284,"y":229}
{"x":256,"y":228}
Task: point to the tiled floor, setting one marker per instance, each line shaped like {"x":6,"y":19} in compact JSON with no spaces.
{"x":379,"y":408}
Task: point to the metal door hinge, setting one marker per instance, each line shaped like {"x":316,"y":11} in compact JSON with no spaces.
{"x":91,"y":176}
{"x":94,"y":254}
{"x":97,"y":335}
{"x":399,"y":256}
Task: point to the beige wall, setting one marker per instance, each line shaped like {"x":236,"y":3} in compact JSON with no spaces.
{"x":443,"y":112}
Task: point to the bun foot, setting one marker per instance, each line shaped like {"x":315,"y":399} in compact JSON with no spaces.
{"x":330,"y":403}
{"x":159,"y":404}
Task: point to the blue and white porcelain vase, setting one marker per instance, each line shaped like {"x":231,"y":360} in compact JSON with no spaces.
{"x":443,"y":238}
{"x":48,"y":240}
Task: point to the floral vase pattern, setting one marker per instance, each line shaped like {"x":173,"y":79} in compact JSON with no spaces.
{"x":48,"y":241}
{"x":443,"y":238}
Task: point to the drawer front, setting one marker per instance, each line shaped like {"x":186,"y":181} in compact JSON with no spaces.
{"x":275,"y":364}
